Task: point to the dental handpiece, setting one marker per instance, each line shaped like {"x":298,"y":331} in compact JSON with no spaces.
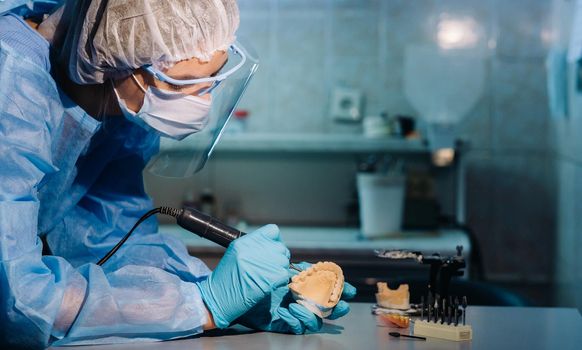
{"x":210,"y":228}
{"x":206,"y":226}
{"x":194,"y":221}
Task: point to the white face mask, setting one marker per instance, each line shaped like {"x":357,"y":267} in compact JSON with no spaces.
{"x":172,"y":114}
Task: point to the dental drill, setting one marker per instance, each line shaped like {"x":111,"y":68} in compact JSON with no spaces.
{"x":194,"y":221}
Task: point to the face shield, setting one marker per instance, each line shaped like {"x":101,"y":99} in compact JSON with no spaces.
{"x":179,"y":159}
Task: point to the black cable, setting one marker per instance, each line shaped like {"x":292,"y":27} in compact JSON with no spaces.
{"x":162,"y":210}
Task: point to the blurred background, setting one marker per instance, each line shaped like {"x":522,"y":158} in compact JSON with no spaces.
{"x":399,"y":124}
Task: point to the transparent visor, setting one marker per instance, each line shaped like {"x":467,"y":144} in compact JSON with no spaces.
{"x":179,"y":159}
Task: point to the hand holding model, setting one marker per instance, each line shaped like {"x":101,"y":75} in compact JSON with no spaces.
{"x":280,"y":313}
{"x":250,"y":269}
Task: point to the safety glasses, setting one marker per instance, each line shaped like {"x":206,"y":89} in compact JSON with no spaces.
{"x":236,"y":54}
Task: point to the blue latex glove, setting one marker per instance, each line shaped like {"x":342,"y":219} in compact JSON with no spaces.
{"x":250,"y":269}
{"x":279,"y":312}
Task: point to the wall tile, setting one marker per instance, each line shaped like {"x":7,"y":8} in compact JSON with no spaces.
{"x":391,"y":96}
{"x":303,"y":6}
{"x":576,"y":237}
{"x":300,"y":91}
{"x":357,"y":5}
{"x":296,"y":189}
{"x":476,"y":126}
{"x":404,"y":22}
{"x":258,"y":97}
{"x":567,"y":222}
{"x":520,"y":109}
{"x":567,"y":131}
{"x":524,"y":217}
{"x":257,"y":30}
{"x":355,"y":34}
{"x":258,"y":100}
{"x":479,"y":202}
{"x":567,"y":249}
{"x":255,"y":6}
{"x":556,"y":129}
{"x":564,"y":133}
{"x":522,"y":28}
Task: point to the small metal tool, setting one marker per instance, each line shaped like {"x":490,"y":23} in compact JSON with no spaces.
{"x":443,"y":308}
{"x":436,"y":309}
{"x":464,"y":305}
{"x":449,"y":314}
{"x":398,"y":335}
{"x":456,"y":311}
{"x":429,"y":307}
{"x":293,"y":267}
{"x":422,"y":307}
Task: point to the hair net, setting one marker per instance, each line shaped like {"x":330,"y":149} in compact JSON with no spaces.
{"x":104,"y":39}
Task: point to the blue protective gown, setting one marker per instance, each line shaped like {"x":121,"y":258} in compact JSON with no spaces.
{"x":78,"y":182}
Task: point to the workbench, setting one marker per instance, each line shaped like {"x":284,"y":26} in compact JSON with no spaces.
{"x":495,"y":328}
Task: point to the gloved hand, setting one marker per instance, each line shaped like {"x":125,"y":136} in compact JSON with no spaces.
{"x":279,"y":312}
{"x":250,"y":269}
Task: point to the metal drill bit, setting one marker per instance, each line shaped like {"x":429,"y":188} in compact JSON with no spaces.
{"x":443,"y":308}
{"x":456,"y":311}
{"x":464,"y":305}
{"x":436,"y":309}
{"x":429,"y":307}
{"x":293,"y":267}
{"x":422,"y":308}
{"x":449,"y":314}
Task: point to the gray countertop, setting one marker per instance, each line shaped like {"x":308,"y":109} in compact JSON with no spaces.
{"x":493,"y":328}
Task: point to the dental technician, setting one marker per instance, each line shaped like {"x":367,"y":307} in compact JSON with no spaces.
{"x":85,"y":95}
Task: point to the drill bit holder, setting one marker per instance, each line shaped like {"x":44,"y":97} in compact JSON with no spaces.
{"x":446,"y":320}
{"x":442,"y":330}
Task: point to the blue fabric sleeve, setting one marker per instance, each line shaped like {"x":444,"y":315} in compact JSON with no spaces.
{"x":113,"y":204}
{"x":20,"y":36}
{"x":43,"y":297}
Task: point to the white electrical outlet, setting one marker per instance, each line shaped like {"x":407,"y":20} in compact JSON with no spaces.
{"x":346,"y":104}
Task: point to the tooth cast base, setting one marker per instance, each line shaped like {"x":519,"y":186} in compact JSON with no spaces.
{"x":393,"y":298}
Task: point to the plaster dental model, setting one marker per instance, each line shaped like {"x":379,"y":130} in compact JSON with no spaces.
{"x":393,"y":299}
{"x":319,"y":287}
